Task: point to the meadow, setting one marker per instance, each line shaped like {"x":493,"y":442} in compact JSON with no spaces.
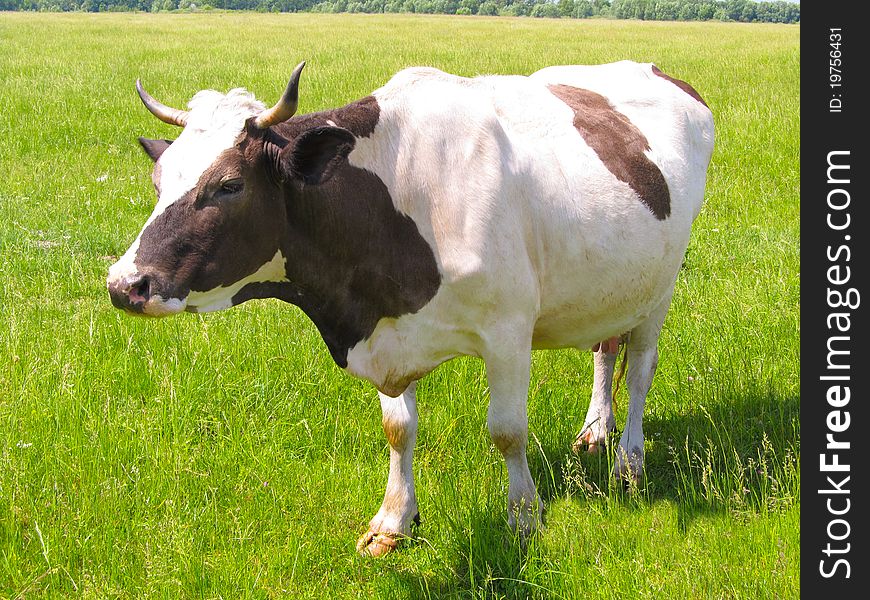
{"x":226,"y":456}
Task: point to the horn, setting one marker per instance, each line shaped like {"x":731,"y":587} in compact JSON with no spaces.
{"x":286,"y":106}
{"x":167,"y":114}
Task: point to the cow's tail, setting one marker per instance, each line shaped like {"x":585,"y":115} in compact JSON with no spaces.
{"x":620,"y":374}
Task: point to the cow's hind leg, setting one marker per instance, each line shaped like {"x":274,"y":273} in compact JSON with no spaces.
{"x":508,"y":372}
{"x":643,"y":356}
{"x":399,"y":508}
{"x":599,"y":422}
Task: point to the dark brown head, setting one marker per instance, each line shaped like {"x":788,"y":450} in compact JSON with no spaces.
{"x":220,"y":217}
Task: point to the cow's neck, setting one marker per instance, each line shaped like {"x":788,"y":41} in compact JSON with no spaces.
{"x":337,"y":331}
{"x":352,"y":259}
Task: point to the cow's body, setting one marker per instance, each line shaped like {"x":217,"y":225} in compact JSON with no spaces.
{"x":482,"y":217}
{"x":529,"y":223}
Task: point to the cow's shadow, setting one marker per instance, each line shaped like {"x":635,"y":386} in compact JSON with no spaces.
{"x":748,"y":427}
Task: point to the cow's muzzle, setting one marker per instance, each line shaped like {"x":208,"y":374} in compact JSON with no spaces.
{"x":142,"y":294}
{"x":130,"y":293}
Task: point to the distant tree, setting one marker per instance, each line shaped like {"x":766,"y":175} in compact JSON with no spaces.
{"x":747,"y":15}
{"x":706,"y":10}
{"x":600,"y":7}
{"x":733,"y":9}
{"x":688,"y":11}
{"x":545,"y":10}
{"x":472,"y":6}
{"x":524,"y":8}
{"x":776,"y":11}
{"x":582,"y":9}
{"x":488,"y":8}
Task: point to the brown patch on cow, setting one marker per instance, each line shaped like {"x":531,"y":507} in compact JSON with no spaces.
{"x":619,"y":144}
{"x":360,"y":118}
{"x":680,"y":84}
{"x":396,"y":431}
{"x":354,"y":258}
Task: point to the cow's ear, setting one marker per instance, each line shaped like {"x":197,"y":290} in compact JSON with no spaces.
{"x":316,"y":154}
{"x":154,"y":148}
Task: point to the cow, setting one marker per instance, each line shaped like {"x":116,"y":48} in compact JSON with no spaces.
{"x":440,"y":216}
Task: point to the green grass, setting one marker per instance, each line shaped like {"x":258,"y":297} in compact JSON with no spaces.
{"x":225,"y":456}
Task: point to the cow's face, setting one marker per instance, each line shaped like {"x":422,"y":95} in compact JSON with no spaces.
{"x":215,"y":222}
{"x":220,"y":217}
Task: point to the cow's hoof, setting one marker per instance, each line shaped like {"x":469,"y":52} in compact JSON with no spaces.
{"x":629,"y":466}
{"x":590,"y":441}
{"x":376,"y":544}
{"x":525,"y":517}
{"x":586,"y":441}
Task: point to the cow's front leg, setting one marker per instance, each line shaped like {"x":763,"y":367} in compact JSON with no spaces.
{"x":399,"y":508}
{"x":507,"y":372}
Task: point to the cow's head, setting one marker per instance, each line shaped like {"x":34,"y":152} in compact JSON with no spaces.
{"x":220,"y":217}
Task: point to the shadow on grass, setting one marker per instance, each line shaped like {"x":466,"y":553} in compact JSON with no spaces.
{"x":739,"y":454}
{"x":484,"y":560}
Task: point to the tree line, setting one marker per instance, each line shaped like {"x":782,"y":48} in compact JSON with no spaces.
{"x":649,"y":10}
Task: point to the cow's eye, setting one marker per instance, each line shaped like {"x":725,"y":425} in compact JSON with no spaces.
{"x":231,"y":186}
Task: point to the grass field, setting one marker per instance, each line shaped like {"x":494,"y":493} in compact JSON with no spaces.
{"x":225,"y":456}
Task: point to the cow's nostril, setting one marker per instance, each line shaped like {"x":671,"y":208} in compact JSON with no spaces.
{"x":140,"y":291}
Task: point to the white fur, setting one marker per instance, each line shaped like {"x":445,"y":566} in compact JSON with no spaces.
{"x":221,"y":297}
{"x":158,"y":306}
